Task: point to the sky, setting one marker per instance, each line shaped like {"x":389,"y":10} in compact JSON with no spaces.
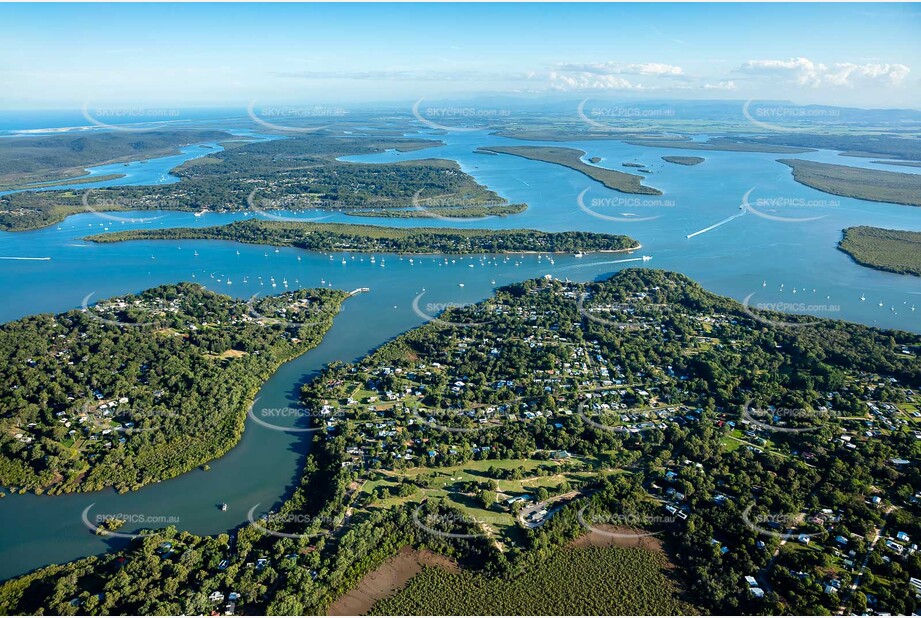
{"x":57,"y":56}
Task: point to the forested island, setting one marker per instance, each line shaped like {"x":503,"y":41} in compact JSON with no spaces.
{"x":25,"y":160}
{"x":684,"y":160}
{"x":498,"y":435}
{"x":372,"y":238}
{"x":900,"y":163}
{"x":300,"y":173}
{"x":869,"y":145}
{"x":861,"y":183}
{"x":572,"y":158}
{"x":897,"y":251}
{"x":718,"y":143}
{"x":141,"y":388}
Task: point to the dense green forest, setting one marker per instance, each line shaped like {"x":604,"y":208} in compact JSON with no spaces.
{"x":25,"y":159}
{"x":144,"y":387}
{"x":862,"y":183}
{"x":294,"y":173}
{"x":896,"y":251}
{"x":368,"y":238}
{"x":572,"y":158}
{"x":574,"y":582}
{"x":615,"y":398}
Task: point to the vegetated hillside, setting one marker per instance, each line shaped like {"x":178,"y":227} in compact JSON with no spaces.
{"x":36,"y":158}
{"x":505,"y":426}
{"x":144,"y":387}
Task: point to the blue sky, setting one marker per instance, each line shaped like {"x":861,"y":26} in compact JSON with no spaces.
{"x":67,"y":55}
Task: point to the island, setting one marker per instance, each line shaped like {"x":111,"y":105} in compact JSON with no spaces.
{"x":896,"y":251}
{"x":901,"y":163}
{"x":295,"y":174}
{"x":871,"y":144}
{"x":577,"y":133}
{"x":718,"y":143}
{"x":857,"y":182}
{"x":684,"y":160}
{"x":332,"y":237}
{"x":143,"y":387}
{"x":81,"y":180}
{"x":636,"y":433}
{"x":572,"y":158}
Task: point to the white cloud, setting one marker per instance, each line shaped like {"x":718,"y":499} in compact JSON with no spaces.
{"x":615,"y":68}
{"x":591,"y":81}
{"x":610,"y":75}
{"x":811,"y":74}
{"x":727,"y":85}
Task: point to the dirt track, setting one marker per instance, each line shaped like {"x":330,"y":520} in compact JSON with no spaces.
{"x":387,"y":579}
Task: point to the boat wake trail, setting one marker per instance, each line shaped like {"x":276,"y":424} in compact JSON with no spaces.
{"x":644,"y":258}
{"x":716,"y":225}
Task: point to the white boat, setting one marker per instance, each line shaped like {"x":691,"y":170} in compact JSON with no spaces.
{"x":646,"y":258}
{"x":578,"y":255}
{"x":862,"y":297}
